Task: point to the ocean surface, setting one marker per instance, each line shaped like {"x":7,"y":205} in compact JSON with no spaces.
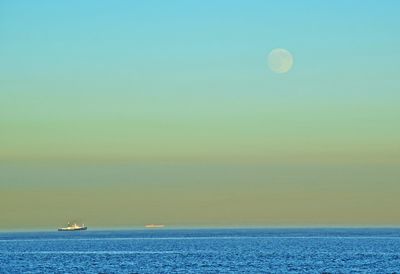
{"x":202,"y":251}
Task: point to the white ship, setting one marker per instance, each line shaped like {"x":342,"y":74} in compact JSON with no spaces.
{"x":154,"y":226}
{"x":73,"y":227}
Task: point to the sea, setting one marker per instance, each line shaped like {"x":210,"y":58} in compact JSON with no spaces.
{"x":273,"y":250}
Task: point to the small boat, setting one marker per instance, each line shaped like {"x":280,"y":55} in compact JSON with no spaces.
{"x":73,"y":227}
{"x":154,"y":226}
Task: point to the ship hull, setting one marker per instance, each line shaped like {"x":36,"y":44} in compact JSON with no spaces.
{"x":72,"y":229}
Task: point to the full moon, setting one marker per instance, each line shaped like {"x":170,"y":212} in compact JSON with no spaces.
{"x":280,"y":60}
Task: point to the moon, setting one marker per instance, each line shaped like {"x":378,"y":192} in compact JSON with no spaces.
{"x":280,"y":60}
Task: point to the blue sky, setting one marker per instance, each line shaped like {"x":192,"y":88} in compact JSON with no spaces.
{"x":182,"y":83}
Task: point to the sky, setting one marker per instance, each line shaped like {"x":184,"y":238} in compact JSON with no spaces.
{"x":123,"y":113}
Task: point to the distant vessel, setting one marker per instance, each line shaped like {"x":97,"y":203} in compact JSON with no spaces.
{"x":73,"y":227}
{"x":154,"y":226}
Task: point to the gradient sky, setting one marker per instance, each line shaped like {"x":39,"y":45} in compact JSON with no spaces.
{"x":122,"y":113}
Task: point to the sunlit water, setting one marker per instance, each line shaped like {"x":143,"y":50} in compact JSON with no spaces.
{"x":203,"y":251}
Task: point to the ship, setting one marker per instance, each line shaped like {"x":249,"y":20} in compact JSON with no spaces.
{"x":154,"y":226}
{"x":73,"y":227}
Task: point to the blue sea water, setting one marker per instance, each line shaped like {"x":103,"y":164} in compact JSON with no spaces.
{"x":202,"y":251}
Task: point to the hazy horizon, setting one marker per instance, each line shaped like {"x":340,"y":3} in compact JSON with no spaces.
{"x":121,"y":114}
